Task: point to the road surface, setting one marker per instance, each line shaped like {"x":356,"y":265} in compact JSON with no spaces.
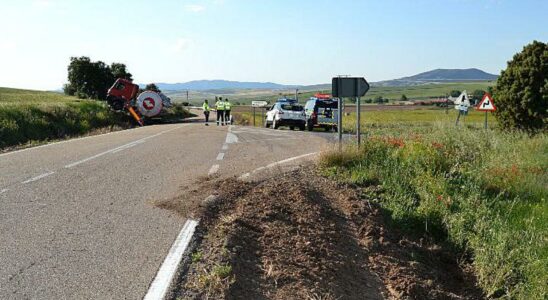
{"x":77,"y":219}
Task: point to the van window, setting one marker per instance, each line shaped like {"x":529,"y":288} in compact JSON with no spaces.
{"x":328,"y":104}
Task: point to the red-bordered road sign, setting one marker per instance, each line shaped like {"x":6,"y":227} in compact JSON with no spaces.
{"x":486,"y":104}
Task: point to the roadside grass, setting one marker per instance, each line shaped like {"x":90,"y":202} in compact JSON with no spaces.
{"x":391,"y":119}
{"x":33,"y":117}
{"x":30,"y":117}
{"x":482,"y":191}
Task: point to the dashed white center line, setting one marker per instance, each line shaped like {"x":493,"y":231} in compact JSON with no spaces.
{"x":118,"y":149}
{"x":38,"y":177}
{"x":214,"y":169}
{"x":220,"y":156}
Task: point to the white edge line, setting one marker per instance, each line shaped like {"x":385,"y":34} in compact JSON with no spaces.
{"x":247,"y":175}
{"x":214,"y":169}
{"x":38,"y":177}
{"x":221,"y":156}
{"x":160,"y":285}
{"x":69,"y":140}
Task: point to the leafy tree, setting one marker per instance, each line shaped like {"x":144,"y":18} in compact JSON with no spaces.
{"x":455,"y":93}
{"x":379,"y":99}
{"x":88,"y":79}
{"x":152,"y":87}
{"x":403,"y":97}
{"x":521,"y":93}
{"x":120,"y":71}
{"x":369,"y":100}
{"x":478,"y":95}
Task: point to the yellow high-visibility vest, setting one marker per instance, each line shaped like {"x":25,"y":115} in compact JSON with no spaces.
{"x":228,"y":106}
{"x":220,"y":105}
{"x":206,"y":107}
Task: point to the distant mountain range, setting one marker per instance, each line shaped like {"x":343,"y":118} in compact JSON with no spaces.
{"x":441,"y":75}
{"x":438,"y":75}
{"x":203,"y":85}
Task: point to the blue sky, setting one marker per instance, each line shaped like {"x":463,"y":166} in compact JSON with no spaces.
{"x":283,"y":41}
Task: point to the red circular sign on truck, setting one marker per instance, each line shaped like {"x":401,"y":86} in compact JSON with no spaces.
{"x":149,"y":103}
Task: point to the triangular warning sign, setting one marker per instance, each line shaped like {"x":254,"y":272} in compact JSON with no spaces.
{"x":486,"y":104}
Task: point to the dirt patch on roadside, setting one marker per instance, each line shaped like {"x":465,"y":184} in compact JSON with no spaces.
{"x":301,"y":236}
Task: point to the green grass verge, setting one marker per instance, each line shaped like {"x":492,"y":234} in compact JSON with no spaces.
{"x":481,"y":191}
{"x":34,"y":117}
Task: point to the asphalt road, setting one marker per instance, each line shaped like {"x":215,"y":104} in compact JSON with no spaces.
{"x":77,"y":219}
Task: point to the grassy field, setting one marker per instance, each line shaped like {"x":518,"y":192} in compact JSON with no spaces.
{"x":387,"y":118}
{"x":419,"y":92}
{"x":33,"y":117}
{"x":484,"y":193}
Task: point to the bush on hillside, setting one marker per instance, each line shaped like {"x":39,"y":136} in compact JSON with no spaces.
{"x":521,"y":94}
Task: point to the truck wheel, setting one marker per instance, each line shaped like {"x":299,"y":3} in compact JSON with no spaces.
{"x":309,"y":126}
{"x":302,"y":127}
{"x":266,"y":124}
{"x":291,"y":127}
{"x":275,"y":124}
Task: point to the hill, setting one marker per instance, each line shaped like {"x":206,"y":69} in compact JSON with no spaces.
{"x":441,"y":75}
{"x":205,"y":85}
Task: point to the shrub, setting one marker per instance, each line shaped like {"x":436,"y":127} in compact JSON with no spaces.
{"x":521,"y":94}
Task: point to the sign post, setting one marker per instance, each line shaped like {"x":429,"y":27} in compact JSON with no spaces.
{"x":258,"y":104}
{"x":462,"y":104}
{"x":354,"y":87}
{"x":486,"y":104}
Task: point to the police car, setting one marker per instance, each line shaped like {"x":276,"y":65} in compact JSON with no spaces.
{"x":322,"y":112}
{"x":286,"y":113}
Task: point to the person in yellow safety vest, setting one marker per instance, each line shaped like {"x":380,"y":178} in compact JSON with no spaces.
{"x":228,"y":107}
{"x":220,"y":108}
{"x":206,"y":109}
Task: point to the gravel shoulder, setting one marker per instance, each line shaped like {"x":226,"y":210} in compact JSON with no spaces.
{"x":298,"y":235}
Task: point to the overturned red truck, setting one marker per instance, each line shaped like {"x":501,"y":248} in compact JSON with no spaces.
{"x":124,"y":95}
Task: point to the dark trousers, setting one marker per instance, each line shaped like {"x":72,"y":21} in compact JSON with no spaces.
{"x":220,"y":116}
{"x":227,"y":116}
{"x":206,"y":114}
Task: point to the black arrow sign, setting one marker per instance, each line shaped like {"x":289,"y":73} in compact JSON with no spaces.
{"x":349,"y":87}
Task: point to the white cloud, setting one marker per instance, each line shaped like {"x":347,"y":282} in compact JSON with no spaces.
{"x":181,"y":45}
{"x":194,"y":8}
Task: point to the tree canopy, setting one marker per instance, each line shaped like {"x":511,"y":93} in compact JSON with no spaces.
{"x":152,"y":87}
{"x":521,"y":93}
{"x":89,"y":79}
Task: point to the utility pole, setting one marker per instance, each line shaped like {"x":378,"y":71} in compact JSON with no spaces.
{"x":297,"y":95}
{"x":187,"y":96}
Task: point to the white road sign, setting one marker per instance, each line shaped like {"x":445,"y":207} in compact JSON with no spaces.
{"x":462,"y":102}
{"x":259,"y":103}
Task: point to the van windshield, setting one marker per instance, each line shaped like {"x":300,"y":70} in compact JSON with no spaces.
{"x":292,"y":107}
{"x":327,"y":104}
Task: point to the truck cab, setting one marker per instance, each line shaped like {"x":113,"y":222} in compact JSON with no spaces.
{"x":121,"y":93}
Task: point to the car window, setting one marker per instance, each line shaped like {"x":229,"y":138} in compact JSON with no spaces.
{"x":292,"y":107}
